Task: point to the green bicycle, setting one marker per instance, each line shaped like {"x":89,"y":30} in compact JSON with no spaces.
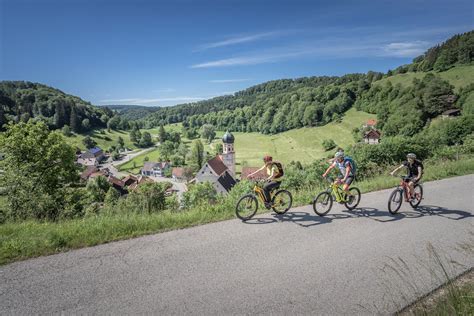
{"x":322,"y":204}
{"x":247,"y":205}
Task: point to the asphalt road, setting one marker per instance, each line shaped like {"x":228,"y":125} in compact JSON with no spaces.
{"x":363,"y":261}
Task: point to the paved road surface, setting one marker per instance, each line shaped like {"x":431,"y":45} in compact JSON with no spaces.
{"x":364,"y":261}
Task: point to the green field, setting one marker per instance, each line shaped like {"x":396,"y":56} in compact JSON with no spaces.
{"x":153,"y":156}
{"x":108,"y":139}
{"x":303,"y":144}
{"x":459,"y":76}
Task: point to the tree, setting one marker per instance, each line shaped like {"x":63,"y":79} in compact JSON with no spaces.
{"x":89,"y":142}
{"x":198,"y":194}
{"x":86,"y":124}
{"x":60,"y":115}
{"x":38,"y":167}
{"x":74,"y":121}
{"x":183,"y":151}
{"x":121,"y":143}
{"x":146,"y":140}
{"x":112,"y":197}
{"x":208,"y":132}
{"x":162,"y":136}
{"x":167,"y":150}
{"x":98,"y":188}
{"x":66,"y":130}
{"x":218,"y":148}
{"x":149,"y":197}
{"x":3,"y":119}
{"x":134,"y":137}
{"x":197,"y":154}
{"x":177,"y":160}
{"x":146,"y":159}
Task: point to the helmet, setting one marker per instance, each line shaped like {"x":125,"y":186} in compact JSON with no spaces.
{"x":267,"y":158}
{"x":339,"y":154}
{"x":411,"y":155}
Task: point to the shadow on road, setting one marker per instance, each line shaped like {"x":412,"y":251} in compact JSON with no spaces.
{"x":306,"y":219}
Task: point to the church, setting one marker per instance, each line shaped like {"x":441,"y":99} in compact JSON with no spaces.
{"x":220,"y":170}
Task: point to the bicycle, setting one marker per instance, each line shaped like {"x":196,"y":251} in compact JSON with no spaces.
{"x":402,"y":190}
{"x":322,"y":204}
{"x":247,"y":205}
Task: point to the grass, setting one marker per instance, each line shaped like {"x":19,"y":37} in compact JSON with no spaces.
{"x":22,"y":240}
{"x":106,"y":139}
{"x":153,"y":156}
{"x":303,"y":144}
{"x":459,"y":76}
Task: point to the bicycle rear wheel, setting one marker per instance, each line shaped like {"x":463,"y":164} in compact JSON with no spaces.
{"x":395,"y":201}
{"x":353,"y":199}
{"x":282,"y":201}
{"x":417,"y":196}
{"x":322,"y":203}
{"x":246,"y":207}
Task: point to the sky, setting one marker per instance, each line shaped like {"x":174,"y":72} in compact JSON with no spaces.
{"x":161,"y":53}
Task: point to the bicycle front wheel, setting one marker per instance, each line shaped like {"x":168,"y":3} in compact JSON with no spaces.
{"x":322,"y":203}
{"x":246,"y":207}
{"x":353,"y":199}
{"x":395,"y":201}
{"x":417,"y":196}
{"x":282,"y":201}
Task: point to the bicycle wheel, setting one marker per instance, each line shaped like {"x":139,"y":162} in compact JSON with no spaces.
{"x":322,"y":203}
{"x":246,"y":207}
{"x":354,"y":198}
{"x":282,"y":201}
{"x":395,"y":201}
{"x":417,"y":196}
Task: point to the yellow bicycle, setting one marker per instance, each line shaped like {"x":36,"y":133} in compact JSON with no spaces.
{"x":322,"y":204}
{"x":247,"y":205}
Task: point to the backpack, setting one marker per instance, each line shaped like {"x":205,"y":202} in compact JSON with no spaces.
{"x":353,"y":164}
{"x":421,"y":165}
{"x":280,"y":168}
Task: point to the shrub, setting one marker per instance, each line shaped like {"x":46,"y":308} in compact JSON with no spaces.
{"x":328,"y":144}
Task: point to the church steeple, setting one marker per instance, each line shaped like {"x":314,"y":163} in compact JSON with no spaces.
{"x":228,"y":153}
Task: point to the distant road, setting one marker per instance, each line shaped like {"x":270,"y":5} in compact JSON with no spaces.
{"x":363,"y":261}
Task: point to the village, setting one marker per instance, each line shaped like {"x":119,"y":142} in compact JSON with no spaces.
{"x":220,"y":170}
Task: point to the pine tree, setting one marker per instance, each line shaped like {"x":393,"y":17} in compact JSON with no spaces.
{"x":74,"y":122}
{"x":162,"y":134}
{"x":59,"y":116}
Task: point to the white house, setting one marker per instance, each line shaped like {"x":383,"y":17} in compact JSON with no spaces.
{"x":155,"y":169}
{"x":372,"y":137}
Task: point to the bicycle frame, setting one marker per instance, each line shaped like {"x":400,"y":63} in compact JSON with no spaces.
{"x":405,"y":188}
{"x":336,"y":191}
{"x":259,"y":191}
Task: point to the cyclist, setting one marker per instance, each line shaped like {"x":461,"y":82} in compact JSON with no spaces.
{"x":415,"y":171}
{"x":274,"y":172}
{"x":346,"y":167}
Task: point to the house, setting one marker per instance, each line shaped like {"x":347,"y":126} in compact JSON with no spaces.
{"x":372,"y":137}
{"x":91,"y":157}
{"x":248,"y":170}
{"x":216,"y":172}
{"x":139,"y":180}
{"x":118,"y":184}
{"x":370,"y":123}
{"x":88,"y":172}
{"x":451,"y":113}
{"x":155,"y":169}
{"x":181,"y":174}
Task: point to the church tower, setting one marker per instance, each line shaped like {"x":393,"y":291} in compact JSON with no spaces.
{"x":228,"y":153}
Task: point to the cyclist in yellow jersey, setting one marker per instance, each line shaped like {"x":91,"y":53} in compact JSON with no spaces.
{"x":274,"y":172}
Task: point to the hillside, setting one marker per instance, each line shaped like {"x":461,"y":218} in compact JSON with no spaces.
{"x":22,"y":100}
{"x":133,"y":112}
{"x":286,"y":104}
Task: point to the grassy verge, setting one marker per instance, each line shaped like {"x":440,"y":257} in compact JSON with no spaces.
{"x":31,"y":239}
{"x":134,"y":164}
{"x":454,"y":298}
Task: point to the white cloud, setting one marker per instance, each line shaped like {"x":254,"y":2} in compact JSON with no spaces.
{"x":229,"y":80}
{"x":405,"y":49}
{"x":164,"y":90}
{"x":239,"y":40}
{"x":247,"y":60}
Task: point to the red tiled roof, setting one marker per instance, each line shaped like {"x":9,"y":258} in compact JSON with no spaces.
{"x":88,"y":172}
{"x":248,"y":170}
{"x":217,"y":165}
{"x":113,"y":180}
{"x":372,"y":134}
{"x":371,"y":122}
{"x":177,"y":172}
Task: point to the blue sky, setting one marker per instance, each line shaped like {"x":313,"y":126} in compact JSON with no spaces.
{"x":170,"y":52}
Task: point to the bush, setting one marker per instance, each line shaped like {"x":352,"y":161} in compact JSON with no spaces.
{"x":328,"y":144}
{"x":199,"y":193}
